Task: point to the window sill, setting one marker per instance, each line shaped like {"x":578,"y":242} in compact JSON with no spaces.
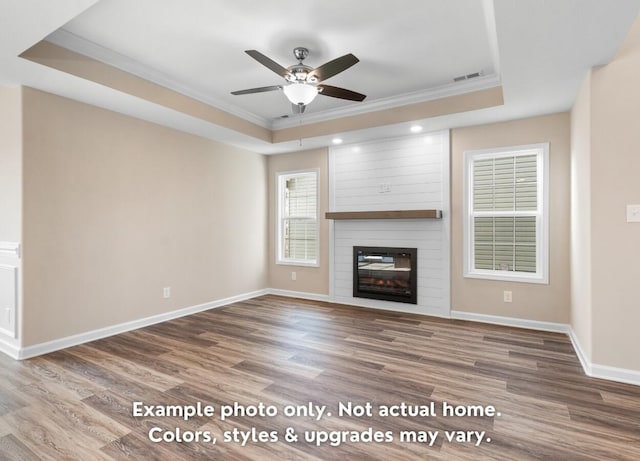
{"x":518,"y":278}
{"x":298,"y":263}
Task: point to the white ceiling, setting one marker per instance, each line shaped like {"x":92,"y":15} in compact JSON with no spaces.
{"x":409,"y":51}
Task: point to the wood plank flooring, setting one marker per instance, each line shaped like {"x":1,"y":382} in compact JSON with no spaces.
{"x":77,"y":404}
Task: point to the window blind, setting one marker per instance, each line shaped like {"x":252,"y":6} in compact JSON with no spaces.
{"x":299,"y":227}
{"x":504,"y":213}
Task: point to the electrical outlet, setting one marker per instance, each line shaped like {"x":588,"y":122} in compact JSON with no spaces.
{"x":508,"y":296}
{"x":293,"y":276}
{"x":166,"y":292}
{"x":633,"y":213}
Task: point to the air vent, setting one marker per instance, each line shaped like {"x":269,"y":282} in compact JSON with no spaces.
{"x":462,"y":78}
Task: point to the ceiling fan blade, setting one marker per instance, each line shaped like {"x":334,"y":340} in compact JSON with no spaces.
{"x":341,"y":93}
{"x":268,"y":62}
{"x":262,"y":89}
{"x":298,"y":108}
{"x":334,"y":67}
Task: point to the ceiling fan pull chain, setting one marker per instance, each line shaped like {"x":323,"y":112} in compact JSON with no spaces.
{"x":300,"y":114}
{"x":300,"y":124}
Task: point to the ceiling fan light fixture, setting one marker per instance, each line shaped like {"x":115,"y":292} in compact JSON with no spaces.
{"x":303,"y":82}
{"x":300,"y":93}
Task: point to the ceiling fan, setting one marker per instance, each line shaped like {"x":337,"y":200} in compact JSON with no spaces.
{"x":303,"y":82}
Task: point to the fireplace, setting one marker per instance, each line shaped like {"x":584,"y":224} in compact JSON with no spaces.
{"x":388,"y":274}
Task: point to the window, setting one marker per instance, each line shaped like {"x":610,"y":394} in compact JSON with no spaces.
{"x":298,"y":218}
{"x":506,"y":214}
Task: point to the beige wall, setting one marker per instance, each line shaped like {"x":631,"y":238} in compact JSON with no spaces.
{"x":550,"y":303}
{"x":10,"y":164}
{"x":116,"y":208}
{"x":581,"y":320}
{"x":308,"y":279}
{"x":605,"y":248}
{"x":615,"y":182}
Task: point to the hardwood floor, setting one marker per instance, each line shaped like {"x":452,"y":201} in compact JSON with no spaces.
{"x":287,"y":354}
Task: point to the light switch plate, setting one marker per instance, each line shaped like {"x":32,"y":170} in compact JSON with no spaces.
{"x":633,"y":213}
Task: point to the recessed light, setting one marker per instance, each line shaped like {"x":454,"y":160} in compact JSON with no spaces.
{"x":416,"y":129}
{"x":336,"y":141}
{"x":356,"y":149}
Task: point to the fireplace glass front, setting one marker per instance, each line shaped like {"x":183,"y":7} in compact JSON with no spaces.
{"x":384,"y":273}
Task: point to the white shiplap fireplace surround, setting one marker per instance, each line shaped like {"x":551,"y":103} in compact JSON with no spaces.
{"x":409,"y":173}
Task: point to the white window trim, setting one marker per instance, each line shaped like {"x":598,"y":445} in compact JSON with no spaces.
{"x":278,"y":223}
{"x":542,"y":237}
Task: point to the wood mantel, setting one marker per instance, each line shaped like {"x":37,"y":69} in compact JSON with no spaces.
{"x":388,"y":214}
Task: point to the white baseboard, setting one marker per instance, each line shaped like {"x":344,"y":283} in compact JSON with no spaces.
{"x":593,"y":370}
{"x":298,"y":294}
{"x":62,"y":343}
{"x":582,"y":356}
{"x":622,"y":375}
{"x":370,"y":304}
{"x":511,"y":322}
{"x":390,"y":306}
{"x":11,"y":350}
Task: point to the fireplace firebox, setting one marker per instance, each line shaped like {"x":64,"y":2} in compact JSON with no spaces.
{"x":388,"y":274}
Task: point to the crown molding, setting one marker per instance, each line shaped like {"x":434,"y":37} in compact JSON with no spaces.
{"x":73,"y":42}
{"x":453,"y":89}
